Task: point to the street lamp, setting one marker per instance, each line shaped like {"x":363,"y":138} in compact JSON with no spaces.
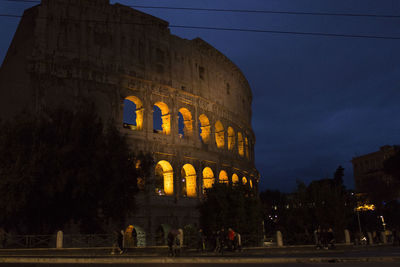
{"x":383,"y":223}
{"x":364,"y":207}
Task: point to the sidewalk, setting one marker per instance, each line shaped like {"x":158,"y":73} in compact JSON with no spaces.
{"x":293,"y":254}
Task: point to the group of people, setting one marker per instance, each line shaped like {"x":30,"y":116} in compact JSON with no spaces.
{"x":126,"y":240}
{"x":324,"y":238}
{"x":229,"y":239}
{"x":175,"y":242}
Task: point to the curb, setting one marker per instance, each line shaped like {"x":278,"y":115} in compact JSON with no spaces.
{"x":142,"y":260}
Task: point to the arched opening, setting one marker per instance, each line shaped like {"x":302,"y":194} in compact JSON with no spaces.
{"x":219,"y":134}
{"x":161,"y":118}
{"x":240,"y":144}
{"x":208,"y":178}
{"x":204,"y":129}
{"x":188,"y":174}
{"x":132,"y":113}
{"x":251,"y":183}
{"x":244,"y":180}
{"x":231,"y":138}
{"x":246,"y":143}
{"x":235,"y":178}
{"x":185,"y":123}
{"x":223,"y":177}
{"x":164,"y":184}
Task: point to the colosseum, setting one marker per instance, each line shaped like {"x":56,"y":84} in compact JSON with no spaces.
{"x":181,"y":100}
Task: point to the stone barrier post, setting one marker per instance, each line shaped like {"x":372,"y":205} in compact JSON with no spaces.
{"x":279,"y":240}
{"x":383,"y":237}
{"x":370,"y":240}
{"x":347,"y":236}
{"x":60,"y":237}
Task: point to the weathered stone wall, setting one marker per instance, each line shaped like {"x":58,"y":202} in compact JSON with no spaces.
{"x":69,"y":52}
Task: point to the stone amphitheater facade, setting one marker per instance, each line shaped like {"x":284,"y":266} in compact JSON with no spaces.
{"x":69,"y":52}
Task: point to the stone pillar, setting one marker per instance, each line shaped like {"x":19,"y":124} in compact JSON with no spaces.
{"x":279,"y":240}
{"x":347,"y":236}
{"x":370,"y":240}
{"x":383,"y":237}
{"x":60,"y":237}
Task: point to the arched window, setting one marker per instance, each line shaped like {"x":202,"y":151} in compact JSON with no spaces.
{"x":223,"y":177}
{"x":231,"y":138}
{"x":208,"y":178}
{"x":244,"y":180}
{"x":188,"y":174}
{"x":219,"y":134}
{"x":133,"y":113}
{"x":240,"y":144}
{"x":205,"y":129}
{"x":161,"y":117}
{"x":251,"y":183}
{"x":235,"y":178}
{"x":246,"y":143}
{"x":185,"y":123}
{"x":164,"y":184}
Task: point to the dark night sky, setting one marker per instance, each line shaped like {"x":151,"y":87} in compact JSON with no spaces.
{"x":317,"y":101}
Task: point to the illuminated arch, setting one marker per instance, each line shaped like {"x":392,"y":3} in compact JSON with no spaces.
{"x":208,"y":178}
{"x":231,"y":138}
{"x":133,"y":113}
{"x":251,"y":183}
{"x":246,"y":143}
{"x":223,"y":177}
{"x":164,"y":178}
{"x":240,"y":144}
{"x":235,"y":178}
{"x":244,"y":180}
{"x":187,"y":122}
{"x":205,"y":129}
{"x":188,"y":180}
{"x":165,"y":117}
{"x":219,"y":134}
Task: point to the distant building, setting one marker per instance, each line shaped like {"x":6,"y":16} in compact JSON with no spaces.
{"x":371,"y":165}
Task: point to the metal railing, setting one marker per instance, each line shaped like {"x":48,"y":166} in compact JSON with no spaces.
{"x":29,"y":241}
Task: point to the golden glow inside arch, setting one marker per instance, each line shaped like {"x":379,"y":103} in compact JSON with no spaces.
{"x":139,"y":112}
{"x":164,"y":178}
{"x":251,"y":183}
{"x":188,"y":180}
{"x":244,"y":180}
{"x":231,"y":138}
{"x":240,"y":144}
{"x":246,"y":143}
{"x":208,"y":178}
{"x":205,"y":128}
{"x":219,"y":134}
{"x":235,"y":178}
{"x":223,"y":177}
{"x":165,"y":117}
{"x":187,"y":121}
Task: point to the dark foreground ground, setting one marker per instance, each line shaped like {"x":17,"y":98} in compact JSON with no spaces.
{"x":157,"y":256}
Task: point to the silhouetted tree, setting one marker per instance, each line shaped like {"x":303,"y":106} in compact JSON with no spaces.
{"x":235,"y":206}
{"x":61,"y":167}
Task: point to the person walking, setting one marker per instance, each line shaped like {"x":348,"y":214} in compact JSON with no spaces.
{"x":221,"y":241}
{"x":171,"y":239}
{"x":128,"y":239}
{"x":200,"y":240}
{"x":231,"y":237}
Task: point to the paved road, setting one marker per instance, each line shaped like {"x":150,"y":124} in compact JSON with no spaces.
{"x":299,"y":256}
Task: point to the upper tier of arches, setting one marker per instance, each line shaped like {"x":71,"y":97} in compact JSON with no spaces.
{"x":229,"y":137}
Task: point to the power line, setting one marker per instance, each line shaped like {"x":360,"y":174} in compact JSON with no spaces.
{"x":249,"y":11}
{"x":232,"y":29}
